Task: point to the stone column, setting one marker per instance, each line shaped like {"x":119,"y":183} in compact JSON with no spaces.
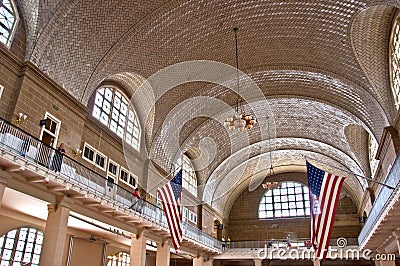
{"x":138,"y":249}
{"x":163,"y":254}
{"x":202,"y":261}
{"x":198,"y":261}
{"x":316,"y":262}
{"x":55,"y":234}
{"x":4,"y":176}
{"x":209,"y":262}
{"x":257,"y":262}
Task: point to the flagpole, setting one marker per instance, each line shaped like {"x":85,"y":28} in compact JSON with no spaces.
{"x":348,"y":171}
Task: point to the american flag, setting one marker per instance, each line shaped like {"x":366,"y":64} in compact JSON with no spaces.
{"x":171,"y":197}
{"x":324,"y":195}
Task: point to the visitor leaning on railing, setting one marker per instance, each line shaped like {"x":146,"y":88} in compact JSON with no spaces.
{"x":23,"y":144}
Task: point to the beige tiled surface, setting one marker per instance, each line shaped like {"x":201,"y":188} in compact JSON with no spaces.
{"x":322,"y":65}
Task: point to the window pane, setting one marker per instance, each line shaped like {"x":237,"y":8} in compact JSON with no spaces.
{"x":288,"y":200}
{"x":18,"y":246}
{"x":111,"y":108}
{"x":8,"y":16}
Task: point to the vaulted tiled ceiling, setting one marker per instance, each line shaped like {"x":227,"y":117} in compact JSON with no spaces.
{"x":321,"y":66}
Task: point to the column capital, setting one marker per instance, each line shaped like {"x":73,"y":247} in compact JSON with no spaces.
{"x":139,"y":233}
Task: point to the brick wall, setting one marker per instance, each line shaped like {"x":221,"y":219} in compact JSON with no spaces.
{"x":245,"y":225}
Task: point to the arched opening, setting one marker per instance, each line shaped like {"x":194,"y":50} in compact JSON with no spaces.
{"x":21,"y":246}
{"x":218,"y":227}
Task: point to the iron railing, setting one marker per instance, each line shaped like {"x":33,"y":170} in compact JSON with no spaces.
{"x":382,"y":203}
{"x":282,"y":243}
{"x":32,"y":149}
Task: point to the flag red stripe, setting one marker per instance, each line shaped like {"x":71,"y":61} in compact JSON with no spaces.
{"x":341,"y":180}
{"x":174,"y":228}
{"x":169,"y":203}
{"x":173,"y":214}
{"x":327,"y":201}
{"x":331,"y":194}
{"x":171,"y":206}
{"x":319,"y":217}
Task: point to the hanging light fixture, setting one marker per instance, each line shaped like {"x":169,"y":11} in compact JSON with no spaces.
{"x":239,"y":120}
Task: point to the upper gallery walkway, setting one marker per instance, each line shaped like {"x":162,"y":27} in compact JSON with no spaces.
{"x":28,"y":163}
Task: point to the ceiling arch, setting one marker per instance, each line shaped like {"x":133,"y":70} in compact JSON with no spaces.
{"x":310,"y":59}
{"x":294,"y":162}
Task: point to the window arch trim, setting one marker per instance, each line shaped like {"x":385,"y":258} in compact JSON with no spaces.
{"x":113,"y":109}
{"x":4,"y":10}
{"x":394,"y":59}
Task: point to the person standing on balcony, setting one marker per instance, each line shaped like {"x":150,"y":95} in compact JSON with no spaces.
{"x":136,"y":200}
{"x":223,"y":242}
{"x":228,"y":242}
{"x":58,"y":157}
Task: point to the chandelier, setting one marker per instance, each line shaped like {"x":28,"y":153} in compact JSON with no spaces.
{"x":240,"y":120}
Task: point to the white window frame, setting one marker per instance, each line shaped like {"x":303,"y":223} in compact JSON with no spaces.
{"x":96,"y":152}
{"x":14,"y":27}
{"x":185,"y":215}
{"x":159,"y":201}
{"x":130,"y":108}
{"x":192,"y":217}
{"x":110,"y":174}
{"x":189,"y":178}
{"x":129,"y":176}
{"x":47,"y":115}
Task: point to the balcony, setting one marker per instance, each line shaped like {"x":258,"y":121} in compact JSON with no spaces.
{"x":385,"y":211}
{"x":38,"y":163}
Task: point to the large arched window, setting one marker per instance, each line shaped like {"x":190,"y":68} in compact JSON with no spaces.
{"x":8,"y":21}
{"x":113,"y":109}
{"x":289,"y":200}
{"x":21,"y":246}
{"x":119,"y":259}
{"x":395,"y":60}
{"x":189,"y":179}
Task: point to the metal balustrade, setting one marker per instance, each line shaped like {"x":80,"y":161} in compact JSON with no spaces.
{"x":382,"y":203}
{"x":32,"y":149}
{"x":282,"y":243}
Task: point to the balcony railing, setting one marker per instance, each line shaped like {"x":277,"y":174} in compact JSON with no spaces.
{"x":282,"y":243}
{"x":32,"y":149}
{"x":382,"y":204}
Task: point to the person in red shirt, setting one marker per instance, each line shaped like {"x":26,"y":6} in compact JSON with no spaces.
{"x":136,"y":193}
{"x":136,"y":200}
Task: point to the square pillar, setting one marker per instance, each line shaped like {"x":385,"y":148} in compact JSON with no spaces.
{"x":257,"y":262}
{"x":4,"y":176}
{"x":138,"y":249}
{"x":163,"y":254}
{"x":316,"y":262}
{"x":2,"y":189}
{"x":201,"y":261}
{"x":55,"y":234}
